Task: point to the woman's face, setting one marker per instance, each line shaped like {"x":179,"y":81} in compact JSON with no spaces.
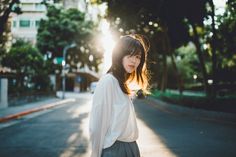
{"x":130,"y":63}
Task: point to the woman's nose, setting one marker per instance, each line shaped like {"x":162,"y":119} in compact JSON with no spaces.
{"x":133,"y":59}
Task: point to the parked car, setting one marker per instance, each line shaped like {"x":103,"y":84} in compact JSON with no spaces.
{"x":93,"y":86}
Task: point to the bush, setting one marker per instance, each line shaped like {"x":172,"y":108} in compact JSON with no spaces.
{"x":29,"y":67}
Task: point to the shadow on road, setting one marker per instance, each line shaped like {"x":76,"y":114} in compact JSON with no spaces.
{"x":167,"y":134}
{"x":59,"y":133}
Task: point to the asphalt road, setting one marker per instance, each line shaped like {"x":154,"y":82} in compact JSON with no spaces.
{"x":172,"y":134}
{"x":63,"y":132}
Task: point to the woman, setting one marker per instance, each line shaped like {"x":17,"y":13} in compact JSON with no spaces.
{"x":113,"y":127}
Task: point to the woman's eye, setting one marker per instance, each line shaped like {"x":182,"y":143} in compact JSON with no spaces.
{"x":138,"y":57}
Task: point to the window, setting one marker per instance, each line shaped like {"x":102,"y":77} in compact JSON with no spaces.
{"x":40,"y":7}
{"x":37,"y":23}
{"x":14,"y":24}
{"x":27,"y":7}
{"x":24,"y":23}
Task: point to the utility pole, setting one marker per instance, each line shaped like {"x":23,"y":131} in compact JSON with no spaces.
{"x":64,"y":68}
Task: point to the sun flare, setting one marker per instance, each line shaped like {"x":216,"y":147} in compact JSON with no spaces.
{"x":107,"y":43}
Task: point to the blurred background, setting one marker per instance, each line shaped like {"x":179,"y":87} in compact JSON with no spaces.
{"x":48,"y":46}
{"x":53,"y":52}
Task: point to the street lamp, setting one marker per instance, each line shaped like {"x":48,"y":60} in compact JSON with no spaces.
{"x":64,"y":68}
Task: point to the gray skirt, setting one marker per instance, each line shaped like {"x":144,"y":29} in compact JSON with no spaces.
{"x":122,"y":149}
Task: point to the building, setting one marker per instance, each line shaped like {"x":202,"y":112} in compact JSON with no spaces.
{"x":92,"y":10}
{"x":81,"y":79}
{"x":25,"y":25}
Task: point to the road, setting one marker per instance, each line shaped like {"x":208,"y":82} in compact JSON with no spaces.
{"x":63,"y":132}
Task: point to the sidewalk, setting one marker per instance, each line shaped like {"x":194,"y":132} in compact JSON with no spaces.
{"x":14,"y":112}
{"x":193,"y":112}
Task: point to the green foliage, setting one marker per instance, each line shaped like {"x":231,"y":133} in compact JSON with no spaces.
{"x":170,"y":24}
{"x":165,"y":23}
{"x":155,"y":16}
{"x":227,"y":37}
{"x":63,"y":27}
{"x":28,"y":65}
{"x":188,"y":63}
{"x":6,"y":8}
{"x":197,"y":100}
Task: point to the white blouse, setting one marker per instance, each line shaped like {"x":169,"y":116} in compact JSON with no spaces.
{"x":112,"y":116}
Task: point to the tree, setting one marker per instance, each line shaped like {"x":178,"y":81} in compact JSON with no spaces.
{"x":187,"y":62}
{"x":6,"y":8}
{"x":170,"y":24}
{"x":225,"y":46}
{"x":164,"y":22}
{"x":28,"y":65}
{"x":63,"y":27}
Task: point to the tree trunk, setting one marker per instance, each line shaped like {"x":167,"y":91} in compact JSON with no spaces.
{"x":155,"y":63}
{"x":166,"y":50}
{"x":201,"y":59}
{"x":4,"y":17}
{"x":164,"y":73}
{"x":177,"y":74}
{"x":214,"y":58}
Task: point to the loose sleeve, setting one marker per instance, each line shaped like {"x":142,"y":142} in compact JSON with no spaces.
{"x":100,"y":115}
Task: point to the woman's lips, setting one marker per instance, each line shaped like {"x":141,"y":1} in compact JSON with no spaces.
{"x":131,"y":66}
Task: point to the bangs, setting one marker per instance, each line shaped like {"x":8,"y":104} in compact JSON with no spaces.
{"x":133,"y":47}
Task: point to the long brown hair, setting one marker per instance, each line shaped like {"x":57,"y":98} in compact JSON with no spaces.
{"x":130,"y":45}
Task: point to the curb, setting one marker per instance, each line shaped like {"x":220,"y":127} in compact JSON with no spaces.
{"x":37,"y":109}
{"x":194,"y":112}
